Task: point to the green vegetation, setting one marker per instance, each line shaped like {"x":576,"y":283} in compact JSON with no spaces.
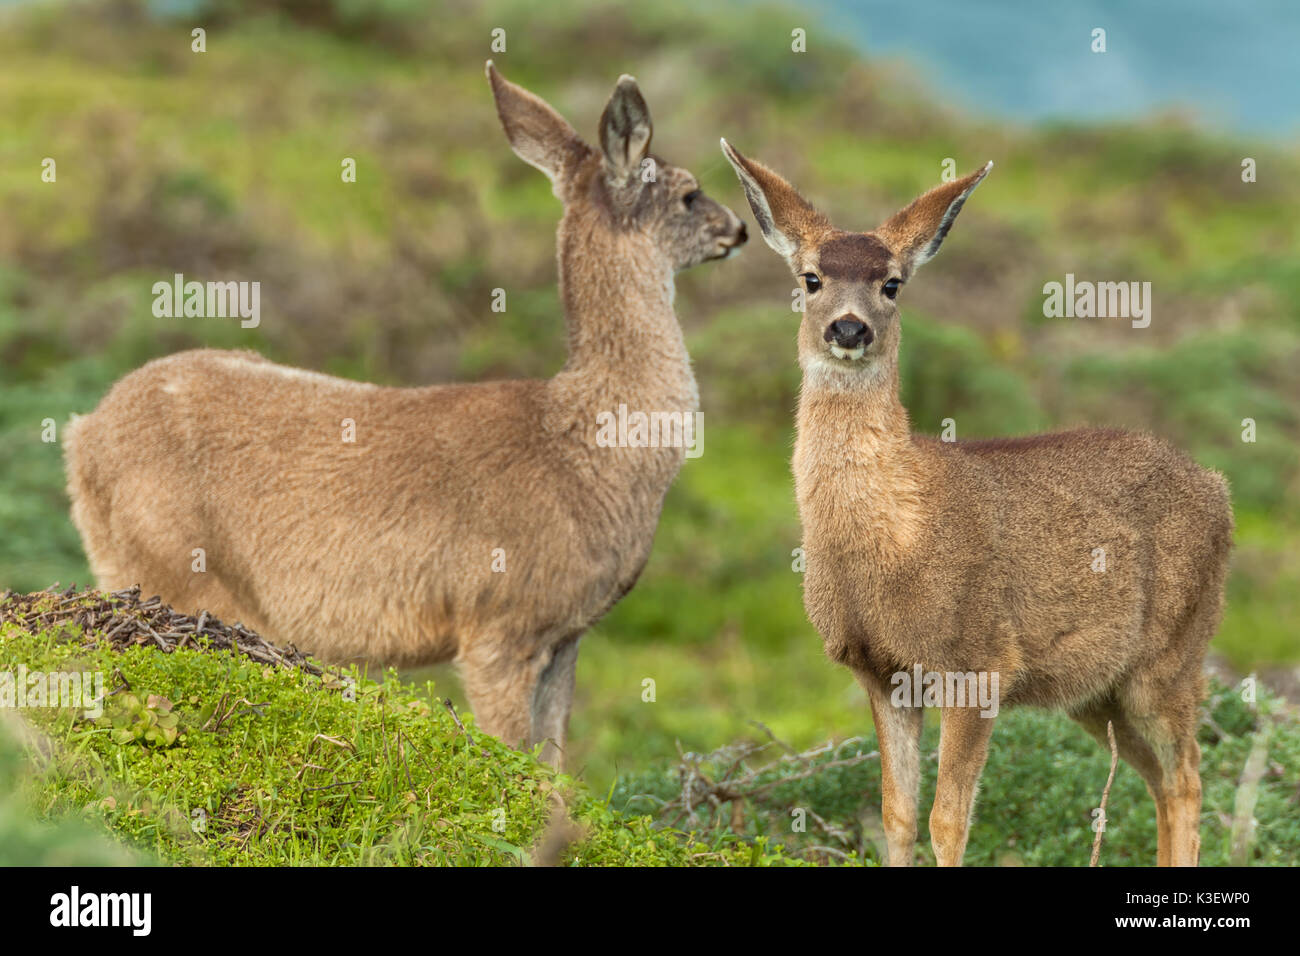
{"x":226,"y":165}
{"x":203,"y":757}
{"x":27,"y":841}
{"x":207,"y":757}
{"x":1037,"y":797}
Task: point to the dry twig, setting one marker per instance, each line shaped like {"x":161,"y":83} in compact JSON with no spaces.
{"x":121,"y":619}
{"x":1105,"y":794}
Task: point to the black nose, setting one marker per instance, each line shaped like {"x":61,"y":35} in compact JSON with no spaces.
{"x":849,"y":332}
{"x":743,"y":236}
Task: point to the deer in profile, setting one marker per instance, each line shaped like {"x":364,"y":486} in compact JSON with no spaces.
{"x":480,"y":523}
{"x":973,"y":559}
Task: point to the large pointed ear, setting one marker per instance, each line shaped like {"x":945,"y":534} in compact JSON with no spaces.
{"x":625,"y":128}
{"x":786,"y":219}
{"x":539,"y":136}
{"x":916,"y":232}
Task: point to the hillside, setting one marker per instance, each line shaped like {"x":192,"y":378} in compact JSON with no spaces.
{"x":215,"y":748}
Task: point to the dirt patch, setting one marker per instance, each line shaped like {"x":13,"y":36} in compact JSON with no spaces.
{"x":121,"y":619}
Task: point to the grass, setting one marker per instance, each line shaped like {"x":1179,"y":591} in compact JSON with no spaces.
{"x":27,"y":840}
{"x":271,"y":765}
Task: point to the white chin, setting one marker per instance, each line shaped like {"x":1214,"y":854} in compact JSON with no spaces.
{"x":851,"y":354}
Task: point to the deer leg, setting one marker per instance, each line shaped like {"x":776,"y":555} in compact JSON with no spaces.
{"x":1137,"y":753}
{"x":553,"y":700}
{"x":499,"y":686}
{"x":898,"y":731}
{"x":1185,"y":806}
{"x":963,"y":748}
{"x":1172,"y":738}
{"x":1163,"y":708}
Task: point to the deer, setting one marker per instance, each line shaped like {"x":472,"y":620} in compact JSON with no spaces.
{"x":1080,"y":570}
{"x":479,"y":523}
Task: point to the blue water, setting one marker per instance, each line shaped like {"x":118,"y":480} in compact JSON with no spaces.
{"x":1233,"y":66}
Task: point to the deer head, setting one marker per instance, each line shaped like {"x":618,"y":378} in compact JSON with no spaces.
{"x":850,"y":280}
{"x":622,"y":183}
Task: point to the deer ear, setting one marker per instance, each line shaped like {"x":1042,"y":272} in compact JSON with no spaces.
{"x":625,"y":127}
{"x":916,"y":232}
{"x":785,"y":218}
{"x":539,"y":136}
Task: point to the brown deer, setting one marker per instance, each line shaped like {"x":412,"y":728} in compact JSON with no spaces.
{"x":1081,"y":570}
{"x":480,"y":523}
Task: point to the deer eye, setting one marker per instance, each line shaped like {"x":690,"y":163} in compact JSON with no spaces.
{"x":690,"y":197}
{"x":811,"y":281}
{"x":890,"y":288}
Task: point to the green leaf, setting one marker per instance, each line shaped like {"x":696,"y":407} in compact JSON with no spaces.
{"x":502,"y":845}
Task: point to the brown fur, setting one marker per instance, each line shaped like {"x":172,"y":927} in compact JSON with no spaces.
{"x":855,"y":256}
{"x":977,"y":555}
{"x":383,"y":549}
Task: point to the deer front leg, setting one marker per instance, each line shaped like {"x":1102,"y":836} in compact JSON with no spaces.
{"x":898,"y":730}
{"x":963,"y":747}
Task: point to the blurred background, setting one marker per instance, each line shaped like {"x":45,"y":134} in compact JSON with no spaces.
{"x":1123,"y":165}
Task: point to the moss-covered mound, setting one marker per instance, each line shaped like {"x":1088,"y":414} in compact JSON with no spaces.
{"x":215,"y":747}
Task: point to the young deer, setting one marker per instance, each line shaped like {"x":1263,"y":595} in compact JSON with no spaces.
{"x":482,"y":523}
{"x":983,"y":556}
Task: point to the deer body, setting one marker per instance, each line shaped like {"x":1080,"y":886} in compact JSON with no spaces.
{"x":478,"y":523}
{"x":989,"y":575}
{"x":1084,"y":568}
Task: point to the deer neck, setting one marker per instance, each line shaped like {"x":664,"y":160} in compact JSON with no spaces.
{"x":626,"y":355}
{"x":625,"y":345}
{"x":858,"y":475}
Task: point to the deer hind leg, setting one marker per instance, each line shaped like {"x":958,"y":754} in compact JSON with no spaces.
{"x":1162,"y":702}
{"x":499,"y":680}
{"x":963,"y":748}
{"x":1180,"y":797}
{"x":898,"y":730}
{"x":1185,"y":805}
{"x":553,"y":700}
{"x":522,"y":698}
{"x":1138,"y":754}
{"x":1165,"y":715}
